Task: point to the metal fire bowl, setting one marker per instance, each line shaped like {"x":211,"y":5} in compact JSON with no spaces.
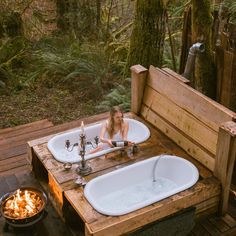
{"x":27,"y":220}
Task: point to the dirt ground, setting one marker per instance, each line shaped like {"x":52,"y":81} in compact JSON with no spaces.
{"x":55,"y":104}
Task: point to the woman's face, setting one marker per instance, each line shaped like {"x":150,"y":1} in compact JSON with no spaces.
{"x":118,"y":117}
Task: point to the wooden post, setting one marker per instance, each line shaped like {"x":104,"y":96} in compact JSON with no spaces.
{"x":138,"y":75}
{"x":224,"y":163}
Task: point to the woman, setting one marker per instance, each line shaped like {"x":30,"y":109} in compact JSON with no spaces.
{"x":113,"y":129}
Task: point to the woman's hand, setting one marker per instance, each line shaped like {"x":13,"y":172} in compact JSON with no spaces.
{"x":110,"y":143}
{"x":130,"y":143}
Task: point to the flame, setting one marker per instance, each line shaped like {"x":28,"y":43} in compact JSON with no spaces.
{"x":82,"y":127}
{"x":23,"y":204}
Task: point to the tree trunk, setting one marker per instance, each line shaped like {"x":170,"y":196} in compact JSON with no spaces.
{"x":147,"y":39}
{"x":204,"y":78}
{"x":98,"y":5}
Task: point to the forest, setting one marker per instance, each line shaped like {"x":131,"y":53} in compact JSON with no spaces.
{"x":67,"y":59}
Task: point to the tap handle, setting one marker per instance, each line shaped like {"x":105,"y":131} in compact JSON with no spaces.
{"x":67,"y":143}
{"x":96,"y":139}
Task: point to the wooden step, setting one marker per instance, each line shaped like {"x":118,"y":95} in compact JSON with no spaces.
{"x":13,"y":162}
{"x":14,"y":151}
{"x":26,"y":128}
{"x":24,"y":168}
{"x":22,"y":138}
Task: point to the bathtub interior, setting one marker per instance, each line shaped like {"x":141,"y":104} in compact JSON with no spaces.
{"x":169,"y":168}
{"x":138,"y":133}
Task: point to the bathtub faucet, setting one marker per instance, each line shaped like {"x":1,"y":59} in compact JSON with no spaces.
{"x":154,"y":168}
{"x":83,"y":167}
{"x":70,"y":147}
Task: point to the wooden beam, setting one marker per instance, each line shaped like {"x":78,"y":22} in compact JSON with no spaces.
{"x":138,"y":82}
{"x":192,"y":148}
{"x":224,"y":163}
{"x":208,"y":111}
{"x":183,"y":120}
{"x":176,"y":75}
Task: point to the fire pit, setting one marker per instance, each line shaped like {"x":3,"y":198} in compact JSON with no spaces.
{"x":24,"y":207}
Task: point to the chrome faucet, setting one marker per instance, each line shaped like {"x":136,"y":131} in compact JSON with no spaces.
{"x":154,"y":168}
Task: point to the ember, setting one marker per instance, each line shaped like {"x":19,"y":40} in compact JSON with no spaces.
{"x":23,"y":204}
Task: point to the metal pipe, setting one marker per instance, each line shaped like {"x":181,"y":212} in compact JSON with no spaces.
{"x":197,"y":47}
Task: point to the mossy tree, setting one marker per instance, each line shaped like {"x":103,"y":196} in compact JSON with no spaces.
{"x":204,"y":78}
{"x":147,"y":38}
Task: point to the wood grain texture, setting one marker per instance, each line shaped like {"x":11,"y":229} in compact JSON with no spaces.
{"x":205,"y":109}
{"x":225,"y":159}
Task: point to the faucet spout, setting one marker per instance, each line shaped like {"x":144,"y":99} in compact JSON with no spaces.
{"x":195,"y":48}
{"x":154,"y":179}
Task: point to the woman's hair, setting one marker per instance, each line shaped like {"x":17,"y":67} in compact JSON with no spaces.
{"x":111,"y":122}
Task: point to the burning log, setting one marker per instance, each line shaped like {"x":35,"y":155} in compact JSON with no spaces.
{"x":23,"y":204}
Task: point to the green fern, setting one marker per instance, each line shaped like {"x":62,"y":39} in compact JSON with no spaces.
{"x":231,"y":6}
{"x":120,"y":95}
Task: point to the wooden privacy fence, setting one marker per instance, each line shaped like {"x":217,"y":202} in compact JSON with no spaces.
{"x":224,"y":48}
{"x":202,"y":127}
{"x":225,"y":60}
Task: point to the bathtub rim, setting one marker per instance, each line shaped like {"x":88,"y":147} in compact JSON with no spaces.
{"x":94,"y":155}
{"x":93,"y":203}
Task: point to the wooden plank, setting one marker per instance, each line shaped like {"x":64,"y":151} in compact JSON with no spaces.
{"x":211,"y":228}
{"x":138,"y":82}
{"x":97,"y":164}
{"x":56,"y":190}
{"x":16,"y":170}
{"x":181,"y":119}
{"x":233,"y":86}
{"x":190,"y":147}
{"x":226,"y":80}
{"x":225,"y":158}
{"x":11,"y":152}
{"x":230,"y":221}
{"x":81,"y":205}
{"x":23,"y":139}
{"x":26,"y":128}
{"x":14,"y":162}
{"x":219,"y":223}
{"x":198,"y":230}
{"x":202,"y":107}
{"x":219,"y":71}
{"x":206,"y":204}
{"x":231,"y":232}
{"x":176,"y":75}
{"x":131,"y":221}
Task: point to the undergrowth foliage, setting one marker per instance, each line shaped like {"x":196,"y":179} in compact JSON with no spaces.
{"x":93,"y":64}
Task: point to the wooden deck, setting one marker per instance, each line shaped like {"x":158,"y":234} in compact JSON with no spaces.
{"x":15,"y":171}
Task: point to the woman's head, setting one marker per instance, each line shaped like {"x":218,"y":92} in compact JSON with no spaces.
{"x":116,"y":114}
{"x":115,"y":118}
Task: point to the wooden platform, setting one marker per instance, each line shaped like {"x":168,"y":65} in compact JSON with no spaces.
{"x":63,"y":190}
{"x":209,"y":226}
{"x":13,"y":146}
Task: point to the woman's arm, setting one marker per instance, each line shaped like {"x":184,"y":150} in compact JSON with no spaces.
{"x":102,"y":135}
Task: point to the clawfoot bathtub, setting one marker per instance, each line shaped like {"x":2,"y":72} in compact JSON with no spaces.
{"x":138,"y":133}
{"x":141,"y":184}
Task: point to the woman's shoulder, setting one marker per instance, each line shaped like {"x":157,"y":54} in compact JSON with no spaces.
{"x":105,"y":123}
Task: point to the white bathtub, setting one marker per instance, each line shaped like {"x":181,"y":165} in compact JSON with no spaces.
{"x":132,"y":187}
{"x":138,"y":133}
